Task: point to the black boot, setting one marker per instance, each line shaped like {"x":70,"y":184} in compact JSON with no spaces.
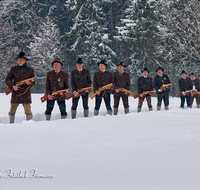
{"x":86,"y":113}
{"x":73,"y":113}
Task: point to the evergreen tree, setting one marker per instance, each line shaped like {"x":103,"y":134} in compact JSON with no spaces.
{"x":178,"y":33}
{"x":46,"y":46}
{"x":137,"y":32}
{"x":88,"y":33}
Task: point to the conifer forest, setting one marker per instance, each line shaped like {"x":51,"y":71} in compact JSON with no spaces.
{"x":141,"y":33}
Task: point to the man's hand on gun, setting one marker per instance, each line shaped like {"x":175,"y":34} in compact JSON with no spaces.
{"x":98,"y":92}
{"x":16,"y":88}
{"x":28,"y":82}
{"x":50,"y":97}
{"x":117,"y":90}
{"x":141,"y":95}
{"x":76,"y":94}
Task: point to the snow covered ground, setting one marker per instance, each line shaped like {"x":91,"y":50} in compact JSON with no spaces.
{"x":137,"y":151}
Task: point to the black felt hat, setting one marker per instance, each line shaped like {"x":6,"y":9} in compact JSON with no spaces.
{"x":122,"y":64}
{"x":159,"y":69}
{"x":79,"y":61}
{"x":192,"y":74}
{"x":183,"y":72}
{"x":145,"y":69}
{"x":57,"y":60}
{"x":102,"y":62}
{"x":22,"y":55}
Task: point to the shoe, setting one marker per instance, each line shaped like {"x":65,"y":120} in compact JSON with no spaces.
{"x":48,"y":117}
{"x":115,"y":111}
{"x":126,"y":110}
{"x":150,"y":109}
{"x":63,"y":116}
{"x":29,"y":117}
{"x":109,"y":112}
{"x":12,"y":118}
{"x":166,"y":108}
{"x":86,"y":113}
{"x":73,"y":113}
{"x":96,"y":112}
{"x":158,"y":108}
{"x":139,"y":110}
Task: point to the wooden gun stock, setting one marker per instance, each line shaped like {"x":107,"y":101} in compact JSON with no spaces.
{"x":44,"y":98}
{"x":166,"y":85}
{"x":65,"y":91}
{"x":8,"y":91}
{"x":145,"y":93}
{"x":20,"y":83}
{"x":150,"y":92}
{"x":179,"y":94}
{"x":187,"y":92}
{"x":124,"y":90}
{"x":55,"y":94}
{"x":70,"y":95}
{"x":93,"y":94}
{"x":136,"y":95}
{"x":81,"y":92}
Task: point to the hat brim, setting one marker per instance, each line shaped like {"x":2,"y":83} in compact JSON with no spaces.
{"x":122,"y":65}
{"x":22,"y":57}
{"x":147,"y":71}
{"x":57,"y":62}
{"x":102,"y":63}
{"x":160,"y":69}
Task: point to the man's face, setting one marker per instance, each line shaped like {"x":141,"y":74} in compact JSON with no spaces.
{"x":145,"y":73}
{"x":121,"y":68}
{"x":57,"y":66}
{"x":102,"y":67}
{"x":183,"y":75}
{"x":21,"y":61}
{"x":160,"y":72}
{"x":192,"y":76}
{"x":79,"y":66}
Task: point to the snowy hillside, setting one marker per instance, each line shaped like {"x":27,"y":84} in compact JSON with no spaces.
{"x":137,"y":151}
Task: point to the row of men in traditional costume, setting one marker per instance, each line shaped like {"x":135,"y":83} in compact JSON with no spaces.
{"x":80,"y":78}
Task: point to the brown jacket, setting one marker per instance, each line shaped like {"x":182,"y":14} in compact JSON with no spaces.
{"x":80,"y":80}
{"x":56,"y":82}
{"x":185,"y":84}
{"x":121,"y":80}
{"x":16,"y":75}
{"x":144,"y":84}
{"x":101,"y":79}
{"x":160,"y":81}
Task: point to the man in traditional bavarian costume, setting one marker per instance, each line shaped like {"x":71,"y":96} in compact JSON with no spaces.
{"x":102,"y":78}
{"x":159,"y":80}
{"x":20,"y":95}
{"x":121,"y":79}
{"x":144,"y":83}
{"x":195,"y":86}
{"x":80,"y":78}
{"x":56,"y":80}
{"x":185,"y":84}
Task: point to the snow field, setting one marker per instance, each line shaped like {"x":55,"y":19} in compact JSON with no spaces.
{"x":138,"y":151}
